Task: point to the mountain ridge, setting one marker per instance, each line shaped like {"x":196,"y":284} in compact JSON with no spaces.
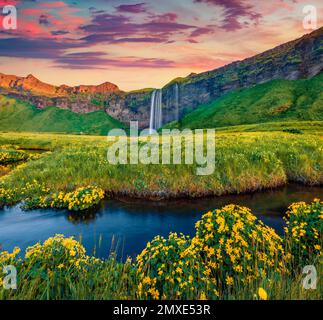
{"x":285,"y":46}
{"x":276,"y":100}
{"x":296,"y":59}
{"x":33,"y":85}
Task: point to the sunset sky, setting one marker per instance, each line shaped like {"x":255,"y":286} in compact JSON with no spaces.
{"x":138,"y":44}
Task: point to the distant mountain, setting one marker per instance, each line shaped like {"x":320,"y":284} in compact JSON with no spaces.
{"x":106,"y":97}
{"x":16,"y":115}
{"x":277,"y":100}
{"x":32,"y":85}
{"x":298,"y":59}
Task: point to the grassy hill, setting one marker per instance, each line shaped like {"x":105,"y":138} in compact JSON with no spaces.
{"x":277,"y":100}
{"x":21,"y":116}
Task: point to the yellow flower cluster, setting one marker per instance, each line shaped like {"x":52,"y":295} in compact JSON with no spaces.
{"x":162,"y":269}
{"x":58,"y":253}
{"x":6,"y":257}
{"x":6,"y":197}
{"x":304,"y":229}
{"x":9,"y":196}
{"x":236,"y":247}
{"x":12,"y":156}
{"x":83,"y":198}
{"x":231,"y":247}
{"x":80,"y":199}
{"x":36,"y":156}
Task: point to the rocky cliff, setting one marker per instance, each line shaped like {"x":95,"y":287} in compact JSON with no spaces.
{"x":80,"y":99}
{"x":301,"y":58}
{"x":32,"y":85}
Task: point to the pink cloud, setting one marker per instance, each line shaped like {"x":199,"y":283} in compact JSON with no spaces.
{"x":31,"y":11}
{"x":47,"y":20}
{"x":8,"y":2}
{"x":201,"y":62}
{"x":234,"y":10}
{"x":55,"y":4}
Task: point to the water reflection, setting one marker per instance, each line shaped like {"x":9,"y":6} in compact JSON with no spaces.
{"x":87,"y":216}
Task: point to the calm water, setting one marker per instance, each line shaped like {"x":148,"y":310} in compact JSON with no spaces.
{"x":133,"y":224}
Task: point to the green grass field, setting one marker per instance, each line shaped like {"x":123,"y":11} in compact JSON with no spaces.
{"x":246,"y":161}
{"x":20,"y":116}
{"x":278,"y":100}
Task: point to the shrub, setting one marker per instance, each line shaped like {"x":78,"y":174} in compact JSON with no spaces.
{"x":57,"y":253}
{"x":236,"y":248}
{"x":56,"y":265}
{"x":167,"y":268}
{"x":83,"y":198}
{"x":303,"y":231}
{"x":78,"y":200}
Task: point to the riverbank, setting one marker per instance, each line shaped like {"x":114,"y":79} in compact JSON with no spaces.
{"x":245,"y":162}
{"x":128,"y":224}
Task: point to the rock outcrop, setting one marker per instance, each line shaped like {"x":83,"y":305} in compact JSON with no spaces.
{"x":32,"y":85}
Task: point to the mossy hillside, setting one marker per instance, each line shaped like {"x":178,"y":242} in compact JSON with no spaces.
{"x":21,"y":116}
{"x":278,"y":100}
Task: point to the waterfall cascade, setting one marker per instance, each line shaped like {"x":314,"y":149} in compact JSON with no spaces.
{"x":156,"y":116}
{"x":156,"y":108}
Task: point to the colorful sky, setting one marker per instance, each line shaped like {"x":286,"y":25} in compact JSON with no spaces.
{"x":143,"y":43}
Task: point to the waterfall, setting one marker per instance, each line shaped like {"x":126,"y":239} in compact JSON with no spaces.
{"x":156,"y":116}
{"x":152,"y":111}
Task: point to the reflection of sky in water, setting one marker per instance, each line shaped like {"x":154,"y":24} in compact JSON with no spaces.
{"x":133,"y":224}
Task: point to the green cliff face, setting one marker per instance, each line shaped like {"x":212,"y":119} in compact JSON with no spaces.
{"x":277,"y":100}
{"x":16,"y":115}
{"x":298,"y":59}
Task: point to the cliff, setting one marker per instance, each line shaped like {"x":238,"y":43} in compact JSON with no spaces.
{"x":32,"y":85}
{"x":298,"y":59}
